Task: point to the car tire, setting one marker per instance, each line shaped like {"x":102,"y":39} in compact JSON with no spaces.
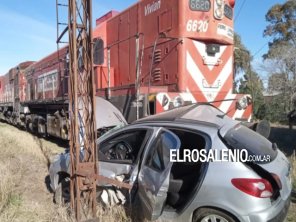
{"x":211,"y":215}
{"x":62,"y":193}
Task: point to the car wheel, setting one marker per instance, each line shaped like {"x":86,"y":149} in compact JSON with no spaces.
{"x":211,"y":215}
{"x":62,"y":193}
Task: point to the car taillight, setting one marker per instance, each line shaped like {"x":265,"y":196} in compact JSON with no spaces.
{"x":260,"y":188}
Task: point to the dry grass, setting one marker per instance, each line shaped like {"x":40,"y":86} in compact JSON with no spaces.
{"x":24,"y":162}
{"x":114,"y":214}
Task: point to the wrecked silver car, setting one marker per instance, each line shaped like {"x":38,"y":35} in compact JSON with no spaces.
{"x":169,"y":185}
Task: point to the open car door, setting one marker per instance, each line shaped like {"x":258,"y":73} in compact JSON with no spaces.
{"x":153,"y":179}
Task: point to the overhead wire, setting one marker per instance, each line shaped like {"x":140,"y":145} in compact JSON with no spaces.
{"x":237,"y":16}
{"x":260,"y":49}
{"x":239,"y":10}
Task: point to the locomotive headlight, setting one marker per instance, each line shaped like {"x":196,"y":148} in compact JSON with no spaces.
{"x":219,"y":2}
{"x":219,"y":13}
{"x":178,"y":102}
{"x":242,"y":103}
{"x":218,"y":9}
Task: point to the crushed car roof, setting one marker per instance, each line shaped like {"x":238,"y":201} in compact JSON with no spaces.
{"x":107,"y":114}
{"x":202,"y":113}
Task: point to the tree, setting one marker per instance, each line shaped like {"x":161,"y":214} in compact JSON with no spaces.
{"x":242,"y":56}
{"x":282,"y":72}
{"x":276,"y":82}
{"x":282,"y":26}
{"x":280,"y":58}
{"x":252,"y":84}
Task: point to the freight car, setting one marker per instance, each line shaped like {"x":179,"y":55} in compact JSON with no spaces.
{"x":12,"y":93}
{"x":154,"y":56}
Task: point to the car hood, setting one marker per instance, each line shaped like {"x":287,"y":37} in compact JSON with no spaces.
{"x":107,"y":115}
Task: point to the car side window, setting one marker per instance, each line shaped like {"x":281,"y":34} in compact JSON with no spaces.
{"x":123,"y":146}
{"x":159,"y":155}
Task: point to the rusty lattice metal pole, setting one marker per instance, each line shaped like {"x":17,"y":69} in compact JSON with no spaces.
{"x":81,"y":107}
{"x":82,"y":132}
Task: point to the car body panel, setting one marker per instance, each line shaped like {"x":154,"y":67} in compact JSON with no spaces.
{"x":281,"y":167}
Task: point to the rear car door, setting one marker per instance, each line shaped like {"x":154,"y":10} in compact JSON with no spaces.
{"x":153,"y":179}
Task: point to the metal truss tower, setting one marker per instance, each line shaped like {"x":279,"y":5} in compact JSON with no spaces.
{"x":82,"y":132}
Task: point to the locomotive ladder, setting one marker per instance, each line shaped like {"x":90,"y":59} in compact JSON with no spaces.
{"x":62,"y":11}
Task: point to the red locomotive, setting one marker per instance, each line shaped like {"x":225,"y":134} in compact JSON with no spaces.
{"x":161,"y":54}
{"x":154,"y":56}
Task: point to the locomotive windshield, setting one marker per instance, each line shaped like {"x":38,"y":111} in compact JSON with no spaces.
{"x":228,"y":12}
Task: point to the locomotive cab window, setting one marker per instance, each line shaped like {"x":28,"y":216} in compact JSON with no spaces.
{"x":228,"y":12}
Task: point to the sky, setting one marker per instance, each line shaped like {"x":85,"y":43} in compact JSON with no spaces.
{"x":28,"y":28}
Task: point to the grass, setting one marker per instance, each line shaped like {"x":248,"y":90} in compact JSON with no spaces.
{"x":23,"y":168}
{"x":114,"y":214}
{"x":24,"y":161}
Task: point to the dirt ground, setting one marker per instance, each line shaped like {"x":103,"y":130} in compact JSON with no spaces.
{"x":24,"y":191}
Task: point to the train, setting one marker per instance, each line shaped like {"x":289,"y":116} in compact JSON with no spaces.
{"x":154,"y":56}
